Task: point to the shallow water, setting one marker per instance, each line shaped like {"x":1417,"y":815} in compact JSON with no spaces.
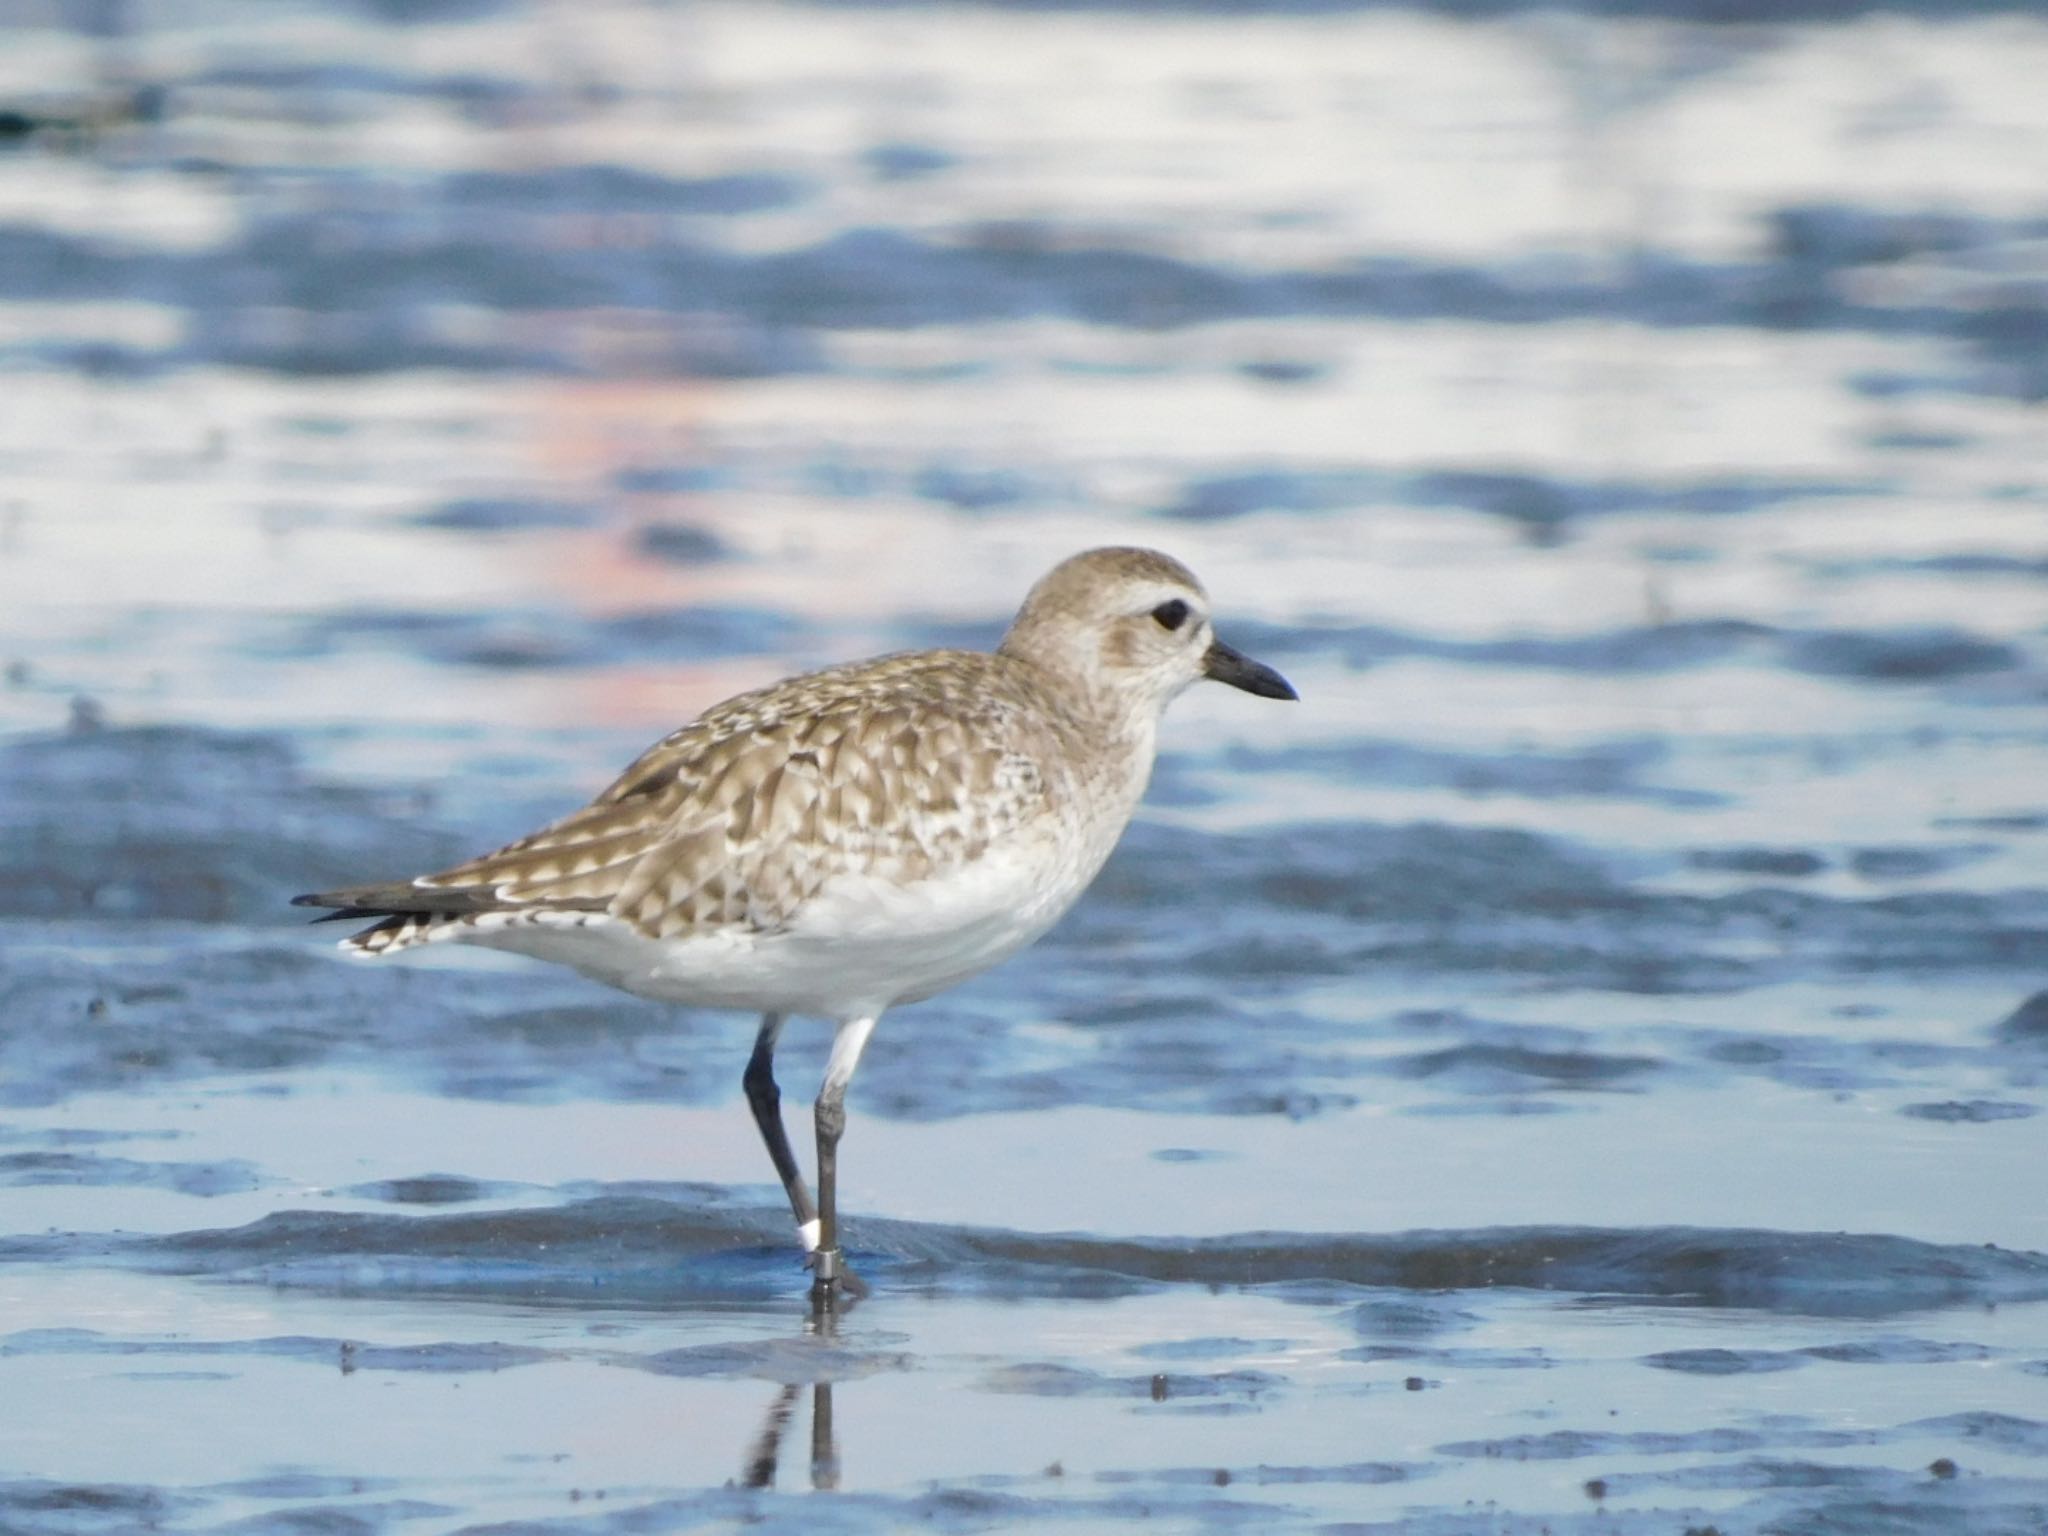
{"x":1580,"y":1070}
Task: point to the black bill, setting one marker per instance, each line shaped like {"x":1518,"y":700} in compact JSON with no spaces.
{"x":1240,"y":671}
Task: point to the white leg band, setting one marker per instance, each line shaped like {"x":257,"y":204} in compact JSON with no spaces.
{"x":808,"y":1233}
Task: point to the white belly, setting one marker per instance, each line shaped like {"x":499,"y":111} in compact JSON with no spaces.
{"x":859,"y":946}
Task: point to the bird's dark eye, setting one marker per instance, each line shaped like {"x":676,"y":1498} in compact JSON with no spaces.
{"x":1171,"y":614}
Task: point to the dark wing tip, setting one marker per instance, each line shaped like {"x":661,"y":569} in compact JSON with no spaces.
{"x":372,"y":902}
{"x":358,"y":901}
{"x":347,"y":906}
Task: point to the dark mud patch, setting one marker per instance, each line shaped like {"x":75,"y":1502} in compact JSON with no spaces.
{"x":1574,"y":1444}
{"x":1487,"y":1068}
{"x":1044,"y":1379}
{"x":1898,"y":1351}
{"x":1356,"y":898}
{"x":345,"y":1355}
{"x":432,"y":1189}
{"x":174,"y":1006}
{"x":75,"y":1136}
{"x":1262,"y":1475}
{"x":1207,"y":1349}
{"x":1971,"y":1111}
{"x":89,"y":1509}
{"x":84,"y":1170}
{"x":1410,"y":1317}
{"x":801,"y":1358}
{"x":1797,"y":1493}
{"x":795,"y":1361}
{"x":1530,"y":1358}
{"x":636,"y":1248}
{"x":1915,"y":863}
{"x":1724,"y":1362}
{"x":182,"y":823}
{"x":112,"y":1509}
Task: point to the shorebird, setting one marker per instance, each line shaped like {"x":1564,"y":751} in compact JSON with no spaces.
{"x":851,"y":839}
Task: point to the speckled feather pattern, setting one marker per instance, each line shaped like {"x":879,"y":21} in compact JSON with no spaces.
{"x":902,"y":769}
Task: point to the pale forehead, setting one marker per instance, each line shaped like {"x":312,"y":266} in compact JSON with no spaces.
{"x":1103,"y":577}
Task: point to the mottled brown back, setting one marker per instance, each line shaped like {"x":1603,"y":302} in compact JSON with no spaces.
{"x":901,"y":768}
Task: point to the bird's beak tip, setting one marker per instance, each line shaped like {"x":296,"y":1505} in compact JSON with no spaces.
{"x":1230,"y":666}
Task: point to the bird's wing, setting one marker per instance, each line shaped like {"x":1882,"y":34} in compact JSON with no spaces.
{"x":903,"y":769}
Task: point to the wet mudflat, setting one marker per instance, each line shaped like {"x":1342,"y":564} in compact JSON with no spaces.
{"x":1582,"y":1070}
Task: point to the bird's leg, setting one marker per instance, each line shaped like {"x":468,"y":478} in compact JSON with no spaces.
{"x":765,"y":1099}
{"x":824,"y":1324}
{"x":829,"y":1264}
{"x":767,"y":1447}
{"x":824,"y":1444}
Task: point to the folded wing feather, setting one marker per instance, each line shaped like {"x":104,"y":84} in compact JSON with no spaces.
{"x":742,"y":816}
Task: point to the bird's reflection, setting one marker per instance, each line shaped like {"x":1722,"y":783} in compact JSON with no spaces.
{"x":766,"y":1450}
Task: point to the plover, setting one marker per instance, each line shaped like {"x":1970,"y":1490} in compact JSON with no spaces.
{"x":839,"y":843}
